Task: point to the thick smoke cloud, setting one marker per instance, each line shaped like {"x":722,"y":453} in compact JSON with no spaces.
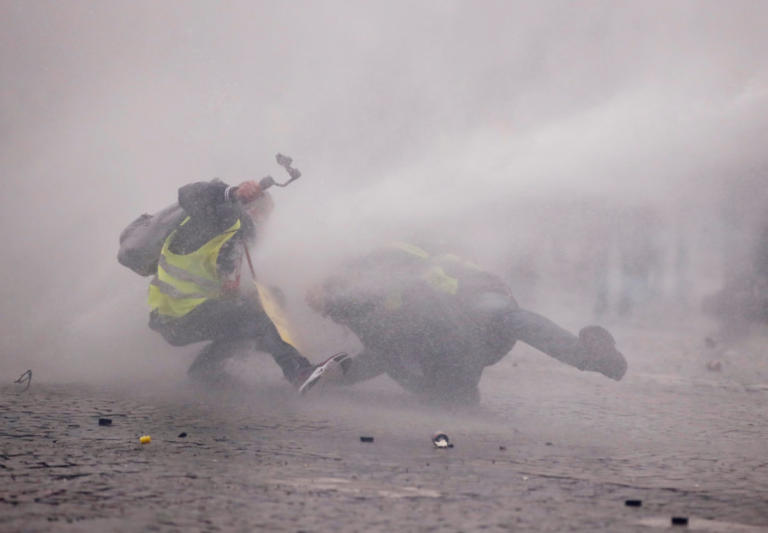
{"x":457,"y":116}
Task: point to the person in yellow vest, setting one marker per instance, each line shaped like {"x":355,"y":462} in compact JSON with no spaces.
{"x":434,"y":322}
{"x":196,"y":293}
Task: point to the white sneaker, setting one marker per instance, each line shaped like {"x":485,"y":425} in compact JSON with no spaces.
{"x":331,"y":368}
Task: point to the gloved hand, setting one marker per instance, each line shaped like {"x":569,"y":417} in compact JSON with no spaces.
{"x":601,"y":354}
{"x":248,"y":191}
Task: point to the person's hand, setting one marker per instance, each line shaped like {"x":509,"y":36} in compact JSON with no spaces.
{"x":230,"y":287}
{"x":248,"y":191}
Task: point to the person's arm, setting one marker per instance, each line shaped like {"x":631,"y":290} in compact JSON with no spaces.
{"x":205,"y":198}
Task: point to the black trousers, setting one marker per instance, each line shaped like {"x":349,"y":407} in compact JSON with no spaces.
{"x":448,"y":353}
{"x":227,"y":323}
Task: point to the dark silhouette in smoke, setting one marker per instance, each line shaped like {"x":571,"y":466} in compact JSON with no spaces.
{"x":433,"y":322}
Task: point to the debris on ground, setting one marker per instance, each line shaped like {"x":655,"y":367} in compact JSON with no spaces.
{"x":145,"y":439}
{"x":633,"y":503}
{"x":714,"y":366}
{"x":680,"y":521}
{"x":366,"y":439}
{"x":105,"y":421}
{"x":182,"y":435}
{"x":440,"y":440}
{"x":26,"y":377}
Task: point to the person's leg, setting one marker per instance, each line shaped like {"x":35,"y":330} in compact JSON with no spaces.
{"x":244,"y":318}
{"x":594,"y":348}
{"x":288,"y":358}
{"x":208,"y":366}
{"x":183,"y":330}
{"x":452,"y":385}
{"x":198,"y":326}
{"x":544,"y":335}
{"x":229,"y":321}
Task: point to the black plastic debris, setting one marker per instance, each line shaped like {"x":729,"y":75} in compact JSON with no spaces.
{"x":633,"y":503}
{"x":679,"y":520}
{"x":182,"y":435}
{"x":441,"y":440}
{"x":366,"y":439}
{"x":105,"y":421}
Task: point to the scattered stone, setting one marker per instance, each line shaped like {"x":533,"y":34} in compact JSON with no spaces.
{"x":548,"y":443}
{"x":714,"y":366}
{"x":633,"y":503}
{"x":366,"y":439}
{"x":183,"y":435}
{"x":680,"y":521}
{"x":502,"y":448}
{"x":441,"y":440}
{"x":105,"y":421}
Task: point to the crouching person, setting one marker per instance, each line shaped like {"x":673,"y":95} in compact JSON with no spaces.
{"x":196,"y":295}
{"x":434,"y":322}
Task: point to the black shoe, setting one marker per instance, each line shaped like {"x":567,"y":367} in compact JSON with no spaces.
{"x":603,"y":357}
{"x":332,"y":368}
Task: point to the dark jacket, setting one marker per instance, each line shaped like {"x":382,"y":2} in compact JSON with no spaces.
{"x":212,"y":210}
{"x":427,"y":340}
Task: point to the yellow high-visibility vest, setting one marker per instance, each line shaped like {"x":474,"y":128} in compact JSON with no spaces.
{"x":433,"y":274}
{"x":184,"y":281}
